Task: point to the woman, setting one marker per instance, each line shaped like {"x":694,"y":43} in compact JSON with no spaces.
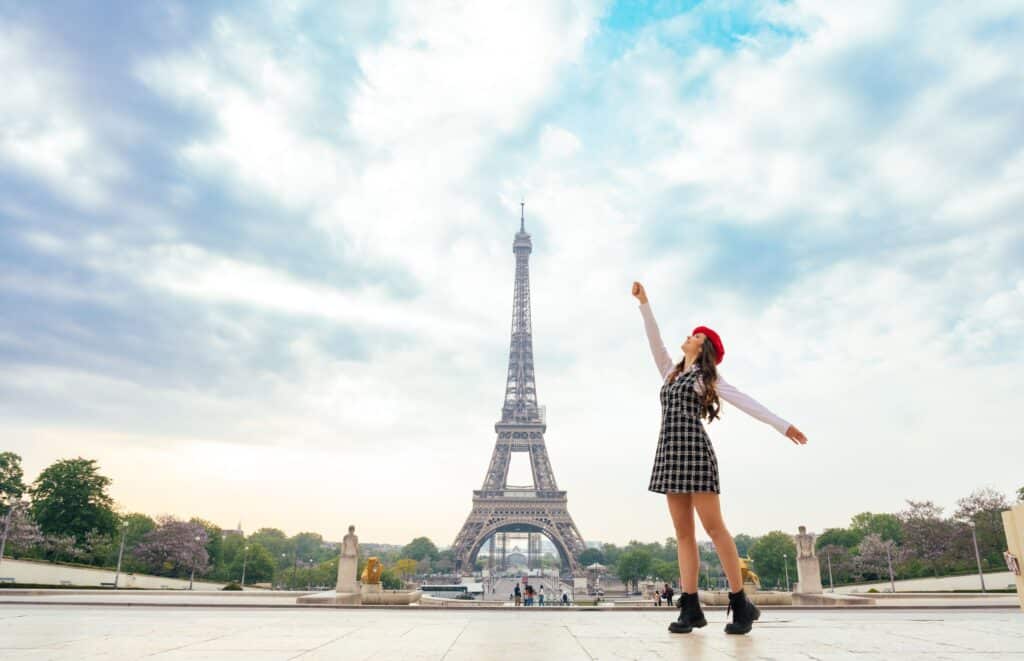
{"x":685,"y":467}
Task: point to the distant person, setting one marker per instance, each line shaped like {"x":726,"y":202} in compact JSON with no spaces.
{"x":565,"y":597}
{"x":685,"y":466}
{"x":540,"y":596}
{"x":669,"y":593}
{"x":657,"y":598}
{"x":518,"y":594}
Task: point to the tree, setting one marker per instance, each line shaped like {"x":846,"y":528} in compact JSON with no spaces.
{"x":172,"y":549}
{"x":70,"y":499}
{"x":845,"y":537}
{"x":984,"y":508}
{"x":214,"y":543}
{"x":406,"y":567}
{"x":445,"y":561}
{"x":420,"y":548}
{"x":767,"y":554}
{"x":928,"y":537}
{"x":743,"y":544}
{"x":633,"y":565}
{"x":872,"y":561}
{"x":139,"y":525}
{"x":841,"y":559}
{"x":276,"y":543}
{"x":1020,"y":494}
{"x":665,"y":571}
{"x":886,"y":526}
{"x":590,"y":556}
{"x":390,"y":580}
{"x":23,"y":535}
{"x":309,"y":545}
{"x":259,"y":565}
{"x":11,"y":480}
{"x":611,"y":554}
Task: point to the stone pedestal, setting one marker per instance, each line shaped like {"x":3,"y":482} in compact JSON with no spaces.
{"x":1013,"y":525}
{"x":347,"y":574}
{"x":808,"y":571}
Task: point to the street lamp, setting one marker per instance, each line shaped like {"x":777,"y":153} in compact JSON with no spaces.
{"x":245,"y":559}
{"x":888,"y":555}
{"x":120,"y":552}
{"x":831,"y":585}
{"x":193,"y":575}
{"x":785,"y":564}
{"x":977,"y":556}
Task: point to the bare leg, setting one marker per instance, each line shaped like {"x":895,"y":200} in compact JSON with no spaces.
{"x":680,"y":506}
{"x":710,"y":512}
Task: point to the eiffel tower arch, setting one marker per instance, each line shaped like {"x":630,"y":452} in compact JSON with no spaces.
{"x":499,"y":507}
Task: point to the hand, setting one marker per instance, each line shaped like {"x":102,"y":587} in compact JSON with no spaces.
{"x":796,"y":435}
{"x":638,"y":291}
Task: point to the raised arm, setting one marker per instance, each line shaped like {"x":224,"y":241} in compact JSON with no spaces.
{"x":662,"y":359}
{"x":750,"y":406}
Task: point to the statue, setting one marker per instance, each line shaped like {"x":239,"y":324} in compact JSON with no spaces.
{"x":808,"y":570}
{"x":348,"y":562}
{"x":748,"y":574}
{"x":804,"y":544}
{"x":350,"y":545}
{"x":372,"y":571}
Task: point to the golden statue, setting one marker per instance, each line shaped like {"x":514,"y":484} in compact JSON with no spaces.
{"x":747,"y":573}
{"x":372,"y":570}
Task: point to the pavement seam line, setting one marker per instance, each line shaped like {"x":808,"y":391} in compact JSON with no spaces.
{"x":448,"y":651}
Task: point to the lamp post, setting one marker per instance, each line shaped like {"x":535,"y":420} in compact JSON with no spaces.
{"x":245,"y":559}
{"x":831,"y":585}
{"x":977,"y":556}
{"x":193,"y":575}
{"x":785,"y":565}
{"x":120,"y":553}
{"x":888,"y":555}
{"x":284,"y":558}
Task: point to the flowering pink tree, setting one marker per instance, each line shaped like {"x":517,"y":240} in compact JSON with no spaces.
{"x":21,"y":533}
{"x":174,"y":547}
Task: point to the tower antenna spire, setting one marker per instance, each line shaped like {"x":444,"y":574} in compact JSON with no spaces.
{"x":522,"y":216}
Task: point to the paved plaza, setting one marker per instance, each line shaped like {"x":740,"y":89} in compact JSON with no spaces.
{"x":76,"y":632}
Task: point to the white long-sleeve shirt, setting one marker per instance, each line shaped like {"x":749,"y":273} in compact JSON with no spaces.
{"x":725,"y":391}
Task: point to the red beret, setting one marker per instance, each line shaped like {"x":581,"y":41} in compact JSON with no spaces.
{"x":716,"y":341}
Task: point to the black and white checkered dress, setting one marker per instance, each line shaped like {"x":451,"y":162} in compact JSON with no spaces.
{"x":684,"y":462}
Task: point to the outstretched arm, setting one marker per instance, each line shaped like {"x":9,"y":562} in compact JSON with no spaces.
{"x":755,"y":409}
{"x":662,"y":359}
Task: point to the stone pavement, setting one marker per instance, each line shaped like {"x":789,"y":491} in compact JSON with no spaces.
{"x":39,"y":632}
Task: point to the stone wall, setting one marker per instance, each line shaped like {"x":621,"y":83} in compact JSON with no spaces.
{"x":32,"y":571}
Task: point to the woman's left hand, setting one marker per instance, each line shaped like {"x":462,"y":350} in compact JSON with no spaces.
{"x":796,"y":435}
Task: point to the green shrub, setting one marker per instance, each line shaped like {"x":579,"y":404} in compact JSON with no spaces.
{"x":232,"y":586}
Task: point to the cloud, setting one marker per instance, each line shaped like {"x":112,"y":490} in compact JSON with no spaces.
{"x":43,"y":135}
{"x":310,"y":263}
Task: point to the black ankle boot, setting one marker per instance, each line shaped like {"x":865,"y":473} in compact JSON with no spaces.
{"x":744,"y":613}
{"x":690,"y":614}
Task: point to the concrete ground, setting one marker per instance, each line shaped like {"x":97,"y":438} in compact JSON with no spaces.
{"x":200,"y":631}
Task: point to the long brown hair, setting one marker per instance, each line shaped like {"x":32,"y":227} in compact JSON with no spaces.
{"x":706,"y":364}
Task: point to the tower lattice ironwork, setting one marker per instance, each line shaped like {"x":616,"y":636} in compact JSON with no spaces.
{"x":499,"y":507}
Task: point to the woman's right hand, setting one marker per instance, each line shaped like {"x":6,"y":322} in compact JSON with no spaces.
{"x":638,"y":291}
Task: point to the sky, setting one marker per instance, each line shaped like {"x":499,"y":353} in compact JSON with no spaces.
{"x":256,"y":258}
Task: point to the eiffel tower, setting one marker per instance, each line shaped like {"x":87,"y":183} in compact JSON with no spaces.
{"x":498,"y":508}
